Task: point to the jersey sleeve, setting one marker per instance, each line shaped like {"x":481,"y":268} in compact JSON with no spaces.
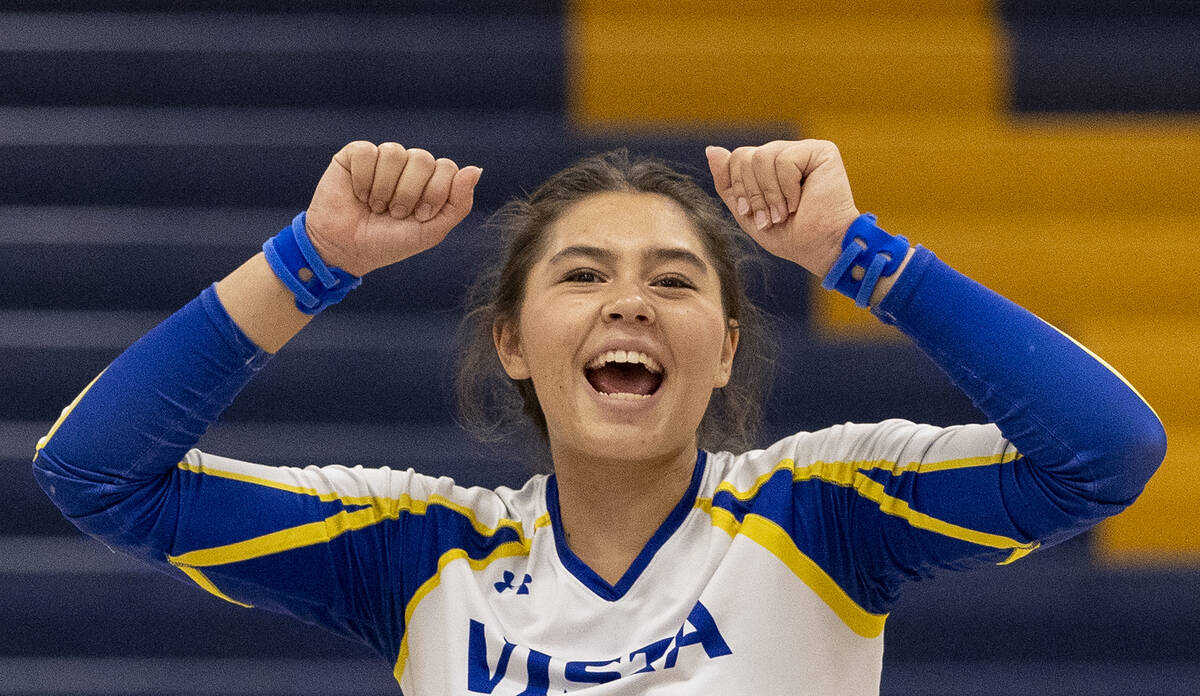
{"x":1070,"y":442}
{"x":338,"y":547}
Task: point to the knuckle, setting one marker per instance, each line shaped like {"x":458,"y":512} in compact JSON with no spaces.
{"x":740,"y":156}
{"x":390,"y":148}
{"x":421,"y":157}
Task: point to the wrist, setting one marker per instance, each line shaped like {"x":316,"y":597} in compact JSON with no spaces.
{"x":869,"y":262}
{"x":823,"y":259}
{"x":302,"y":270}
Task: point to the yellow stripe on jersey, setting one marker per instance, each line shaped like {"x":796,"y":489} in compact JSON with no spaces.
{"x":319,"y":532}
{"x":202,"y":580}
{"x":415,"y":506}
{"x":963,"y":463}
{"x":848,"y":467}
{"x":41,"y":444}
{"x":890,"y":505}
{"x":326,"y":497}
{"x":512,"y":548}
{"x":850,"y":474}
{"x":323,"y":531}
{"x":773,"y":538}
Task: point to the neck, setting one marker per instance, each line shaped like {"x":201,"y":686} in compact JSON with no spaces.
{"x":611,"y":507}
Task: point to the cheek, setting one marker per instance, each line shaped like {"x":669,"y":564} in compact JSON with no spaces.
{"x":701,"y":340}
{"x":546,"y":343}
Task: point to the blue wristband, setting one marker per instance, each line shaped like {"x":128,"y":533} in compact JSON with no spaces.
{"x":870,"y":248}
{"x":290,"y":252}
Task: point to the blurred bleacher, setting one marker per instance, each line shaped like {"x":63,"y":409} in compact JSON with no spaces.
{"x":1046,"y":148}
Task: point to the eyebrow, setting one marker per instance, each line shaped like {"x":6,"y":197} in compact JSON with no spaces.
{"x":659,"y":254}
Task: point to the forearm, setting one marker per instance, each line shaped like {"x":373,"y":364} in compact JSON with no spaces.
{"x":1086,"y":432}
{"x":150,"y":406}
{"x":261,"y":306}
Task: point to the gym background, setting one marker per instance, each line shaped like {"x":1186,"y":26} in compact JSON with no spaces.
{"x":1046,"y":148}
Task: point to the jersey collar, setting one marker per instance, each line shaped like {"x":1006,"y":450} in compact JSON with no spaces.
{"x":589,"y":577}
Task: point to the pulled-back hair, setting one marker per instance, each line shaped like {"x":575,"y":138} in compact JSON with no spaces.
{"x":492,"y":405}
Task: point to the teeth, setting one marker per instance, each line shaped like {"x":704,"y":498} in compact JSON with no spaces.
{"x":625,"y":356}
{"x":627,"y":397}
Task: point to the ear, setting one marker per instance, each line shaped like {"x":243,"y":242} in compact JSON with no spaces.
{"x":508,"y":348}
{"x":728,"y":350}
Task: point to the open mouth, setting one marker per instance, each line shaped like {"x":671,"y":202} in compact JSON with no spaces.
{"x":624,"y":374}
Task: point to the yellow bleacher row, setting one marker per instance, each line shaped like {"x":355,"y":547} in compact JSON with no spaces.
{"x":1086,"y":220}
{"x":582,"y":9}
{"x":1092,"y":166}
{"x":717,"y":68}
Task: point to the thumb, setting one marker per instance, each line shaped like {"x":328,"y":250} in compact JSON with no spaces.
{"x":718,"y":164}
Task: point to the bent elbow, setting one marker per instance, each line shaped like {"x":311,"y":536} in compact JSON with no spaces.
{"x":1150,"y":448}
{"x":1134,"y":456}
{"x":76,"y":495}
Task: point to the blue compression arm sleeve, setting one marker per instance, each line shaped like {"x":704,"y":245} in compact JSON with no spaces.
{"x":1088,"y":439}
{"x":106,"y":462}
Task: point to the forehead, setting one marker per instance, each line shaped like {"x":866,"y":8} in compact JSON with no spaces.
{"x":625,"y":223}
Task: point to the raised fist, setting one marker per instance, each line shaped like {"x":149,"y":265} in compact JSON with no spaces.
{"x":792,"y":197}
{"x":376,"y":205}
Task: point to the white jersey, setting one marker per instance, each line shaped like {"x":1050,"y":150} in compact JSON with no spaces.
{"x":753,"y":584}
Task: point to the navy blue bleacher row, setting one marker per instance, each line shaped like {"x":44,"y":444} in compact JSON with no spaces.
{"x":1104,"y":56}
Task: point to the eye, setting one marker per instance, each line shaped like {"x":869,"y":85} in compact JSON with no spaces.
{"x":581,"y":275}
{"x":674,"y":281}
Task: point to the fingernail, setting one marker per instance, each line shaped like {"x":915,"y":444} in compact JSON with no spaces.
{"x":776,"y":215}
{"x":424,"y":212}
{"x":400,"y":212}
{"x":743,"y":206}
{"x":760,"y":219}
{"x":378,"y":207}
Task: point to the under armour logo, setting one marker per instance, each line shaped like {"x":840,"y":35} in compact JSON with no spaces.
{"x":507,"y":583}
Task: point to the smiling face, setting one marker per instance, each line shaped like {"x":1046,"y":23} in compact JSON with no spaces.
{"x":621,"y":330}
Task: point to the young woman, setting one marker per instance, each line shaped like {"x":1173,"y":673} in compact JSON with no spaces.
{"x":645,"y":564}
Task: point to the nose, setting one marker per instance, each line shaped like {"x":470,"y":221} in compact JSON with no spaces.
{"x":628,"y":306}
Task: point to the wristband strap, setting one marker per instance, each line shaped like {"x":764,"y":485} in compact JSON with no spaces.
{"x":870,"y":248}
{"x":290,"y":253}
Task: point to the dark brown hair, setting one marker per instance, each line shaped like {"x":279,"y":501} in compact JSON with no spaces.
{"x":491,"y":405}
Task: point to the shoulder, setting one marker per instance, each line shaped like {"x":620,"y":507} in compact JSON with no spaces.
{"x":403,"y":491}
{"x":837,"y":451}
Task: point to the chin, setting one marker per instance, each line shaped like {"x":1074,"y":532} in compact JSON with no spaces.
{"x":629,"y":441}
